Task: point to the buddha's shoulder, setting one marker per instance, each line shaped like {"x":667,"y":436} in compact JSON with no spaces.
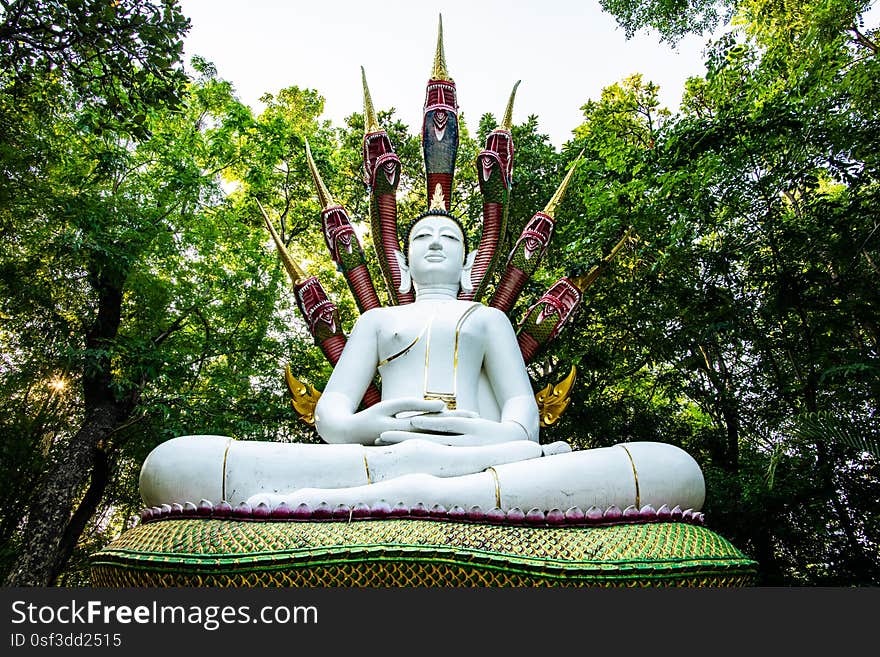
{"x":384,"y":314}
{"x":492,"y":316}
{"x":374,"y":315}
{"x":477,"y":312}
{"x":483,"y":317}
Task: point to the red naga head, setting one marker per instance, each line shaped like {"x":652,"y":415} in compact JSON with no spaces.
{"x":338,"y":231}
{"x":536,"y":235}
{"x":499,"y":146}
{"x":561,"y":299}
{"x":314,"y":304}
{"x":379,"y":156}
{"x":499,"y":150}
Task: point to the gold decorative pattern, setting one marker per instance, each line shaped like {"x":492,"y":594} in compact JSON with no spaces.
{"x":438,"y":201}
{"x":450,"y":398}
{"x":305,"y":397}
{"x":371,"y":123}
{"x":635,"y":476}
{"x":507,"y":121}
{"x":367,"y":468}
{"x":585,"y":281}
{"x":554,"y":399}
{"x":225,"y":459}
{"x":497,"y":486}
{"x":439,"y":71}
{"x":403,"y":351}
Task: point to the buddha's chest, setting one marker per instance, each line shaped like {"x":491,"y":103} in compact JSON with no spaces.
{"x":404,"y":334}
{"x":433,"y":346}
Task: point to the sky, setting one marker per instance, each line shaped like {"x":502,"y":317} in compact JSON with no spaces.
{"x":563,"y":51}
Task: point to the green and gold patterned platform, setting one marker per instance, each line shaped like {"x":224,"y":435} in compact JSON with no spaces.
{"x":417,"y":552}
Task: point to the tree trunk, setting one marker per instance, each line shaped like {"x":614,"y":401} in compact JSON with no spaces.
{"x":49,"y":520}
{"x":51,"y":530}
{"x":765,"y":554}
{"x":86,"y":509}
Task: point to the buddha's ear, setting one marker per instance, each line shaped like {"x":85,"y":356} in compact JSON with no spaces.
{"x":405,"y":278}
{"x":466,"y":284}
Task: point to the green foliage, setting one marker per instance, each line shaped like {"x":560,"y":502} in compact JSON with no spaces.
{"x":823,"y":426}
{"x":129,"y":275}
{"x":137,"y":282}
{"x":672,"y":19}
{"x":748,"y":295}
{"x":121,"y":57}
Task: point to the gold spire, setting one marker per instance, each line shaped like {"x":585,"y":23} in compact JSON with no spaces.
{"x":440,"y":72}
{"x":585,"y":281}
{"x":323,"y":193}
{"x":507,"y":122}
{"x":371,"y":123}
{"x":297,"y":275}
{"x":550,"y":208}
{"x":617,"y":247}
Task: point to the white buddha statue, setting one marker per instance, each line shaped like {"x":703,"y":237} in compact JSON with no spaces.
{"x":457,"y":424}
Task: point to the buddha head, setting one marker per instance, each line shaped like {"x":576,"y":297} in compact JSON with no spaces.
{"x":436,"y":253}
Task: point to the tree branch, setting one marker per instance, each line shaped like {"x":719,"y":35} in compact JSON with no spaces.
{"x":862,"y":39}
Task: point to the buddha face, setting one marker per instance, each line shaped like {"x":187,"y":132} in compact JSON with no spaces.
{"x":436,"y":251}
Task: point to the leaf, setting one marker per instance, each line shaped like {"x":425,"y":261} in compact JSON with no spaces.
{"x":824,"y":426}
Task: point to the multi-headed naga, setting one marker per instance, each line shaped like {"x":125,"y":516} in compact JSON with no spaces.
{"x":454,"y":420}
{"x":542,"y":321}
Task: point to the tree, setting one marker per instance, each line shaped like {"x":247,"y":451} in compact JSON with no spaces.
{"x":781,"y":21}
{"x":673,"y":19}
{"x":741,"y":323}
{"x":63,"y":82}
{"x":141,"y":299}
{"x":154,"y":299}
{"x":120,"y":56}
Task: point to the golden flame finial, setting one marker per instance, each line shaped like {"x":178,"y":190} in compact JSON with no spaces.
{"x":553,"y":203}
{"x":507,"y":122}
{"x":371,"y":123}
{"x":554,"y":399}
{"x":438,"y":202}
{"x":323,"y":192}
{"x":305,"y":396}
{"x":297,"y":275}
{"x":440,"y":72}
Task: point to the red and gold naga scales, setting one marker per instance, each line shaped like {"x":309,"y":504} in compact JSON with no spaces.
{"x":440,"y":131}
{"x":343,"y":244}
{"x":381,"y":177}
{"x":320,"y":313}
{"x":545,"y":319}
{"x":495,"y":175}
{"x":529,"y":250}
